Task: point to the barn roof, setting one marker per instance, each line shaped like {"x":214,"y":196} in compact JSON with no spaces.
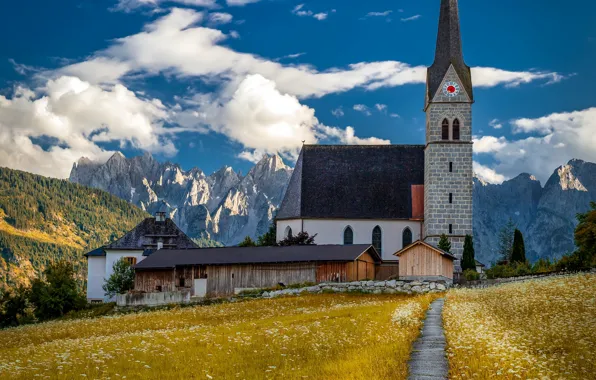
{"x":146,"y":233}
{"x":164,"y":259}
{"x":354,"y":181}
{"x":419,"y":242}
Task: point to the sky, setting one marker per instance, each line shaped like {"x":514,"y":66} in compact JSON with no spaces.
{"x":209,"y":83}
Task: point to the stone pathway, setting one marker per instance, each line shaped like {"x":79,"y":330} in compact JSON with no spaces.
{"x":429,"y":360}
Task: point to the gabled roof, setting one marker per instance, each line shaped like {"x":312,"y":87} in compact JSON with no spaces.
{"x":420,"y":242}
{"x":478,"y":263}
{"x":448,"y":51}
{"x":146,"y":234}
{"x":354,"y":182}
{"x":165,"y":259}
{"x":96,"y":252}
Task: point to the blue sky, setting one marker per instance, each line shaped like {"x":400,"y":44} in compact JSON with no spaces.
{"x":208,"y":83}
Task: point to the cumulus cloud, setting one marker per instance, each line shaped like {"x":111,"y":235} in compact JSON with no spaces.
{"x":300,"y":11}
{"x":338,"y":112}
{"x":131,"y":5}
{"x":381,"y":107}
{"x":554,"y":140}
{"x":495,"y":124}
{"x":487,"y":174}
{"x":77,"y":117}
{"x":362,"y":108}
{"x":220,"y":18}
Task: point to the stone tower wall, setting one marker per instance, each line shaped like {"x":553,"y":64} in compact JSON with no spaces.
{"x":440,"y":182}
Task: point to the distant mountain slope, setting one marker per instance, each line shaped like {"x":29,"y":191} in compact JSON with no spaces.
{"x":546,"y":216}
{"x":224,"y":206}
{"x":44,"y":219}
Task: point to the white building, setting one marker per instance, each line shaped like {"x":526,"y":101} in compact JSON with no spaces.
{"x":148,"y":236}
{"x":392,"y":195}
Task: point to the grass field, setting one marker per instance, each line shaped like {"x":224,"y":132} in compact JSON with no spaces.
{"x":318,"y":336}
{"x":540,"y":329}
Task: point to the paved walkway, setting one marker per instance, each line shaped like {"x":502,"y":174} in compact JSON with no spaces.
{"x":429,"y":360}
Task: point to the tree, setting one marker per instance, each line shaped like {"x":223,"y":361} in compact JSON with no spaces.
{"x":468,"y":261}
{"x":269,"y":239}
{"x":14,"y":307}
{"x":247,"y":242}
{"x":585,"y":237}
{"x":121,"y":280}
{"x":506,"y":240}
{"x":444,"y":243}
{"x":518,"y":253}
{"x":58,"y":294}
{"x":302,"y":238}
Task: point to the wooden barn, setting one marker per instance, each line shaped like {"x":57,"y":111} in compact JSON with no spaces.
{"x":422,"y":261}
{"x":217,"y":272}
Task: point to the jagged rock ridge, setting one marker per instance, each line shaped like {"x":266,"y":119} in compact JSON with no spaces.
{"x":224,"y":206}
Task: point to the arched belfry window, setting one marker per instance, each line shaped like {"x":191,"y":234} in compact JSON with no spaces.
{"x":445,"y":129}
{"x":377,"y":239}
{"x":288,"y":233}
{"x":456,"y":129}
{"x":348,"y":236}
{"x":406,"y":237}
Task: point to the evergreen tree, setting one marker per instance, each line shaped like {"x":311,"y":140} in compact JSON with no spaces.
{"x":247,"y":242}
{"x":518,"y":253}
{"x":269,"y":239}
{"x":302,"y":238}
{"x":444,"y":243}
{"x":468,"y":261}
{"x":585,"y":237}
{"x":506,"y":240}
{"x":121,"y":280}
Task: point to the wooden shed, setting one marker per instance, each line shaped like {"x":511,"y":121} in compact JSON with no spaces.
{"x":422,"y":261}
{"x":216,"y":272}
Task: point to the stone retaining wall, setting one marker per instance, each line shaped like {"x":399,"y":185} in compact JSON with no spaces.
{"x":152,"y":299}
{"x":373,"y":287}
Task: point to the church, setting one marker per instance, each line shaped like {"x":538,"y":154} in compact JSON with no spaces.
{"x":393,"y":195}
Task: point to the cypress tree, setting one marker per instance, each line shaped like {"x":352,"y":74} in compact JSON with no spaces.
{"x":444,"y":243}
{"x":468,"y":261}
{"x":518,"y":254}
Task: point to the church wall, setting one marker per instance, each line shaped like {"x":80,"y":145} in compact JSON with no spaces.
{"x":282,"y":225}
{"x":332,"y":232}
{"x":96,"y":273}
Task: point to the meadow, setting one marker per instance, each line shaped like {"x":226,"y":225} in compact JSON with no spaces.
{"x":327,"y":336}
{"x":540,"y":329}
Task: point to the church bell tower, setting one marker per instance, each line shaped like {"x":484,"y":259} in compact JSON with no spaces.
{"x":448,"y":154}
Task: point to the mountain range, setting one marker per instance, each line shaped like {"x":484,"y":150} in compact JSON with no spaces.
{"x":227,"y":206}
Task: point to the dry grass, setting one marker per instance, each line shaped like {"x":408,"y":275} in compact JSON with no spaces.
{"x":316,"y":336}
{"x":541,"y":329}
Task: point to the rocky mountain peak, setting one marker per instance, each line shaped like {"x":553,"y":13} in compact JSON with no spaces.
{"x":568,"y":179}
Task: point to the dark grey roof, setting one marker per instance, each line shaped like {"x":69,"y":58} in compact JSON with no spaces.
{"x":147,"y":233}
{"x":96,"y":252}
{"x":448,"y":51}
{"x":354,"y":182}
{"x":255,"y":255}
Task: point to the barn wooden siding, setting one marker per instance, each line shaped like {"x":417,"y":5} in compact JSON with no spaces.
{"x":387,"y":271}
{"x":423,"y":261}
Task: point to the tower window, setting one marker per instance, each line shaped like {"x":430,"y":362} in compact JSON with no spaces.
{"x":450,"y":197}
{"x":456,"y":129}
{"x":451,"y":228}
{"x":377,"y":239}
{"x":451,"y":167}
{"x":406,"y":237}
{"x":445,"y":129}
{"x":348,"y":236}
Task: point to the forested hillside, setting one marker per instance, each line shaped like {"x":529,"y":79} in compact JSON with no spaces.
{"x":43,"y":220}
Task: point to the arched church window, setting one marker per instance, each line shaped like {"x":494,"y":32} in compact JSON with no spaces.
{"x":377,"y":239}
{"x":406,"y":237}
{"x":348,"y":236}
{"x":445,"y":129}
{"x":288,"y":233}
{"x":456,"y":129}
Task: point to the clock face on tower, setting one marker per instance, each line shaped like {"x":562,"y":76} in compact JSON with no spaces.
{"x":451,"y":89}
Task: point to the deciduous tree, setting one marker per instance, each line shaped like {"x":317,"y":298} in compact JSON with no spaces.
{"x":121,"y":280}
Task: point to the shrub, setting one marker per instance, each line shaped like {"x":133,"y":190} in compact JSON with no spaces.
{"x":471,"y":275}
{"x":302,"y":238}
{"x":444,"y":243}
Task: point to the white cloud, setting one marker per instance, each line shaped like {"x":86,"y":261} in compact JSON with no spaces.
{"x":320,"y":16}
{"x":291,"y":56}
{"x":240,"y":3}
{"x":490,"y":77}
{"x":76,"y":116}
{"x":300,"y":11}
{"x":220,"y":18}
{"x":487,"y":174}
{"x":381,"y":107}
{"x":412,"y":18}
{"x":378,"y":14}
{"x":234,"y":34}
{"x":495,"y":124}
{"x":394,"y":115}
{"x":338,"y":112}
{"x":362,"y":108}
{"x":263,"y":120}
{"x":131,"y":5}
{"x":489,"y":144}
{"x":556,"y":139}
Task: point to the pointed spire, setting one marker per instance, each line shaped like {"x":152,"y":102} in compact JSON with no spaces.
{"x":448,"y":51}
